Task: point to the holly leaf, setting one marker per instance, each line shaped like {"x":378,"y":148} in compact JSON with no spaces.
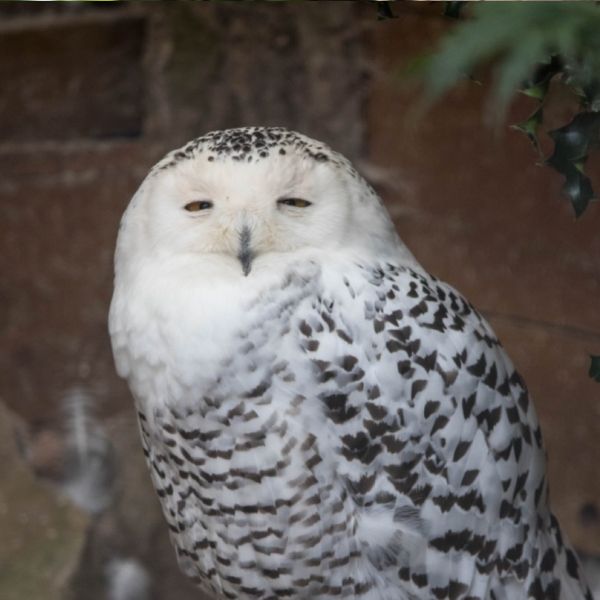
{"x":573,"y":141}
{"x":531,"y":125}
{"x":572,"y":144}
{"x":578,"y":188}
{"x":537,"y":85}
{"x":595,"y":368}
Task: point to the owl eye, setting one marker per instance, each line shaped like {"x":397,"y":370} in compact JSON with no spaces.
{"x":296,"y":202}
{"x":197,"y":205}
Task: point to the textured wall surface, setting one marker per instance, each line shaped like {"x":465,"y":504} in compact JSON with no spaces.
{"x":178,"y":71}
{"x":97,"y":94}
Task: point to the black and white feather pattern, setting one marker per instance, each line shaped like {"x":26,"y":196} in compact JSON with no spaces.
{"x":341,"y":424}
{"x":388,"y":446}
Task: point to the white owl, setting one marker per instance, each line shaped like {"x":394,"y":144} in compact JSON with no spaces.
{"x":321,"y":417}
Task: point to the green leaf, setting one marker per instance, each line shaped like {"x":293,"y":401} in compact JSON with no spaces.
{"x":578,"y":188}
{"x":531,"y":125}
{"x":595,"y":368}
{"x":517,"y":35}
{"x":515,"y":67}
{"x":572,"y":144}
{"x":529,"y":43}
{"x":572,"y":141}
{"x":459,"y":52}
{"x":537,"y":85}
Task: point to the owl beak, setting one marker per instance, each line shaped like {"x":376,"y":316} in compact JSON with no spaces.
{"x":245,"y":253}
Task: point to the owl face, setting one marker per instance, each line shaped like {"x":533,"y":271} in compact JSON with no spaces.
{"x":246,"y":196}
{"x":246,"y":211}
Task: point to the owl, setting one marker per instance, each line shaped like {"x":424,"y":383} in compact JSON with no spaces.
{"x":321,"y":417}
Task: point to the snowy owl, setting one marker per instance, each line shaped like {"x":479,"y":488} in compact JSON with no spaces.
{"x":321,"y":417}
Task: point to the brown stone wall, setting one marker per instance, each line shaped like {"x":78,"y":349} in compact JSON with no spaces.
{"x":92,"y":95}
{"x":91,"y":98}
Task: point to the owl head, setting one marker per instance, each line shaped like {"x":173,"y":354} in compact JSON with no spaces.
{"x":244,"y":197}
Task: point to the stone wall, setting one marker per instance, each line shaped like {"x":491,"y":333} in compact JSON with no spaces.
{"x":93,"y":94}
{"x":96,"y":96}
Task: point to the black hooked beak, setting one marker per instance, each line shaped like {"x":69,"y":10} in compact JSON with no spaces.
{"x":245,"y":254}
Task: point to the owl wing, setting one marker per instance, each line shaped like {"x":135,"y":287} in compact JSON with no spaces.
{"x":436,"y":439}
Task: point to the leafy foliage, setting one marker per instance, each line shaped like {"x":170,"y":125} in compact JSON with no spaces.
{"x":571,"y":147}
{"x":521,"y":35}
{"x":530,"y":43}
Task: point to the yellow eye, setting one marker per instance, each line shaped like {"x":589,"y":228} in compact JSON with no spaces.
{"x":197,"y":205}
{"x":296,"y":202}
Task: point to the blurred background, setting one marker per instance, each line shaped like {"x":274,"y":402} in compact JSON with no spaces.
{"x":92,"y":94}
